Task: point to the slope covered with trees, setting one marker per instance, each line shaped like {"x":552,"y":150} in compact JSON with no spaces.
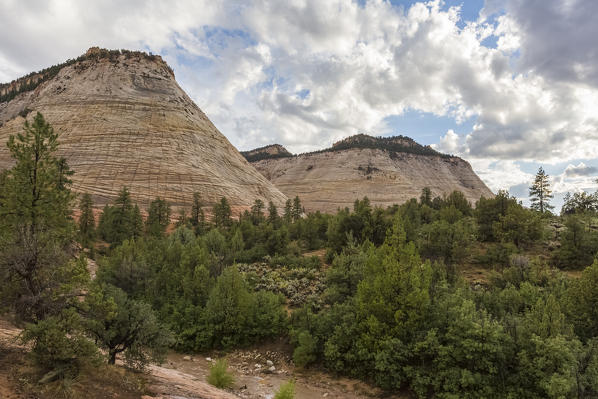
{"x":392,"y":307}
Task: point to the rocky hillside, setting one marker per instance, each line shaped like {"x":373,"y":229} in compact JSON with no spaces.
{"x":386,"y":170}
{"x":123,"y":120}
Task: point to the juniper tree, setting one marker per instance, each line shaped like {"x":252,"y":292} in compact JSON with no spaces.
{"x":540,"y":192}
{"x":120,"y":324}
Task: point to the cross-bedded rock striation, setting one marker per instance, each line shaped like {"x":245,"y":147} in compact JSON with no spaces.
{"x":123,"y":120}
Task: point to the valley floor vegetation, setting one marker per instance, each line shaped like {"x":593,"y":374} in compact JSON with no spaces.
{"x":390,"y":306}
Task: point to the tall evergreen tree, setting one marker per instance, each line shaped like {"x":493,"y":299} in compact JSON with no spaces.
{"x":257,"y":211}
{"x":297,"y":210}
{"x":87,"y":223}
{"x":222,"y":213}
{"x":426,"y":197}
{"x":136,"y":227}
{"x":122,"y":220}
{"x":540,"y":192}
{"x":158,"y":217}
{"x":197,"y":214}
{"x":36,"y":227}
{"x":272,"y":213}
{"x":288,"y":211}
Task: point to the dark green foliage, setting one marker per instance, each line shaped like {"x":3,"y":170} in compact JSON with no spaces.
{"x":310,"y":231}
{"x":426,"y":197}
{"x":158,"y":218}
{"x":219,"y":375}
{"x":176,"y":276}
{"x":305,"y":349}
{"x":222,"y":214}
{"x":363,"y":224}
{"x":36,"y":228}
{"x":519,"y":226}
{"x":447,"y":241}
{"x":582,"y":305}
{"x":87,"y":222}
{"x":297,"y":210}
{"x":579,"y":244}
{"x":347,"y":271}
{"x":123,"y":325}
{"x":489,"y":211}
{"x":58,"y":343}
{"x":273,"y":217}
{"x":258,"y":154}
{"x":394,"y":145}
{"x":120,"y":221}
{"x":235,"y":317}
{"x":197,"y":218}
{"x":579,"y":203}
{"x":257,"y":212}
{"x":504,"y":219}
{"x":541,"y":193}
{"x":393,"y":310}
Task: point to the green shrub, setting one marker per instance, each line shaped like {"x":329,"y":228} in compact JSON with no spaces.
{"x":58,"y":344}
{"x":286,"y":390}
{"x":219,"y":376}
{"x":305,"y":352}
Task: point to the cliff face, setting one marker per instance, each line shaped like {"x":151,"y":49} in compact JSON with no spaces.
{"x":332,"y":178}
{"x":123,"y":120}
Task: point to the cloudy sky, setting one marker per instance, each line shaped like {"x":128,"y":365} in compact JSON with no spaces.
{"x":508,"y":85}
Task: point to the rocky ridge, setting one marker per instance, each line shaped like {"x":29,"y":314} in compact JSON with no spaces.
{"x":386,"y":170}
{"x":123,"y":120}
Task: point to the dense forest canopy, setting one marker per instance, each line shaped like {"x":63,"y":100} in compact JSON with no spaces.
{"x":391,"y":303}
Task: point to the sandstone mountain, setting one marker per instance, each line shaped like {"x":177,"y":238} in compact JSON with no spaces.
{"x":123,"y":120}
{"x":386,"y":170}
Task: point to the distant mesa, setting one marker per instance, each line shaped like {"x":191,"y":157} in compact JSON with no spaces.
{"x":271,"y":151}
{"x":123,"y":120}
{"x":388,"y":170}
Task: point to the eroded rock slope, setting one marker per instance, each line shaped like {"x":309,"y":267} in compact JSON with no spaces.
{"x":123,"y":120}
{"x":386,"y":170}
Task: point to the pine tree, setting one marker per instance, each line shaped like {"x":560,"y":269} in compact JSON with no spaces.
{"x":158,"y":217}
{"x":136,"y":227}
{"x":122,"y":220}
{"x":272,"y":213}
{"x":197,"y":214}
{"x":87,"y":223}
{"x":297,"y":209}
{"x":288,"y":211}
{"x":36,"y":228}
{"x":540,"y":192}
{"x":222,"y":213}
{"x":257,"y":214}
{"x":426,"y":197}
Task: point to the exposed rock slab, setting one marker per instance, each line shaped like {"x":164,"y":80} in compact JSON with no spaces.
{"x":328,"y":180}
{"x":124,"y":121}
